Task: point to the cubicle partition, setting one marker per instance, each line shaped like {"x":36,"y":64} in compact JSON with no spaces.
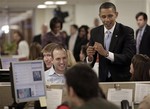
{"x":6,"y":97}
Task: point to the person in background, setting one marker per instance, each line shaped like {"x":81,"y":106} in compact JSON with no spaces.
{"x":71,"y":59}
{"x":59,"y":62}
{"x":145,"y":104}
{"x":72,"y":38}
{"x":96,"y":22}
{"x":35,"y":51}
{"x":83,"y":89}
{"x":22,"y":45}
{"x":47,"y":55}
{"x":81,"y":40}
{"x":114,"y":44}
{"x":83,"y":53}
{"x":140,"y":68}
{"x":38,"y":38}
{"x":142,"y":34}
{"x":55,"y":34}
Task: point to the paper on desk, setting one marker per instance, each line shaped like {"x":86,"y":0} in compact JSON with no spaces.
{"x":42,"y":101}
{"x":116,"y":96}
{"x":141,"y":90}
{"x":54,"y":98}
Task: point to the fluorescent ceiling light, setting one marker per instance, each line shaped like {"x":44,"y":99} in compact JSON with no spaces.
{"x":61,"y":2}
{"x":41,"y":6}
{"x":49,"y":3}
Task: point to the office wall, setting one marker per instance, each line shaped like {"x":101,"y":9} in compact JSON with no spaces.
{"x":127,"y":10}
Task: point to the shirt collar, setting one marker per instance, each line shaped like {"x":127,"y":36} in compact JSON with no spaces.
{"x":143,"y":28}
{"x":51,"y":71}
{"x":111,"y":30}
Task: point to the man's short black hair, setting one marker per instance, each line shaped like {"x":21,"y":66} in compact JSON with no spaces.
{"x":54,"y":21}
{"x":107,"y":5}
{"x":84,"y":82}
{"x":141,"y":14}
{"x":75,"y":26}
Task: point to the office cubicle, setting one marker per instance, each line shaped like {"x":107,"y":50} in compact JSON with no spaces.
{"x":5,"y":92}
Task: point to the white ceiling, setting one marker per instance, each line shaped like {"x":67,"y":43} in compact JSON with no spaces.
{"x":22,"y":5}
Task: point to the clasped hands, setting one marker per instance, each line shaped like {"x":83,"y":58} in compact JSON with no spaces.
{"x":97,"y":47}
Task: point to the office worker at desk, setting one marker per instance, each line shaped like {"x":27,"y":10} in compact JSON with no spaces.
{"x":83,"y":89}
{"x":59,"y":61}
{"x":140,"y":68}
{"x":142,"y":34}
{"x":115,"y":45}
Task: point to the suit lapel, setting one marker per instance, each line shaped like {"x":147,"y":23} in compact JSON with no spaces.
{"x":114,"y":38}
{"x":101,"y":39}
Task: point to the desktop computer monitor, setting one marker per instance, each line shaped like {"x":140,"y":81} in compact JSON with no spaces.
{"x":5,"y":62}
{"x":28,"y":82}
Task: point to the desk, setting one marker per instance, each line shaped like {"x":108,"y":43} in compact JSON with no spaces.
{"x":5,"y":95}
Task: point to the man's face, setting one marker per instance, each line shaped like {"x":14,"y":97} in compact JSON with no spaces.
{"x":141,"y":22}
{"x":72,"y":30}
{"x":60,"y":60}
{"x":108,"y":17}
{"x":47,"y":59}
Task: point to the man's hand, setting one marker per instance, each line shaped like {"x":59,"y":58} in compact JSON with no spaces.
{"x":90,"y":52}
{"x":100,"y":49}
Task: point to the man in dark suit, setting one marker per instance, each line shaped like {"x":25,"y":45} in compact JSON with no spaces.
{"x":142,"y":34}
{"x":115,"y":45}
{"x":38,"y":38}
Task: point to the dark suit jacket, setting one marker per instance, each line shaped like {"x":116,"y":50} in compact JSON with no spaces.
{"x":122,"y":45}
{"x":145,"y":42}
{"x":37,"y":38}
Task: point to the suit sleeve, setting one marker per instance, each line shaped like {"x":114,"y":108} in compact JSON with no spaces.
{"x":128,"y":50}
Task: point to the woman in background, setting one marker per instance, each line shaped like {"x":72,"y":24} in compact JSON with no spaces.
{"x":22,"y":45}
{"x":140,"y":68}
{"x":35,"y":51}
{"x":71,"y":59}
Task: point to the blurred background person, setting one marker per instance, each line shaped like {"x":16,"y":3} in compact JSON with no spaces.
{"x":81,"y":40}
{"x":140,"y":68}
{"x":96,"y":22}
{"x":22,"y":45}
{"x":55,"y":35}
{"x":35,"y":51}
{"x":47,"y":55}
{"x":38,"y":38}
{"x":71,"y":59}
{"x":73,"y":37}
{"x":83,"y":53}
{"x":142,"y":34}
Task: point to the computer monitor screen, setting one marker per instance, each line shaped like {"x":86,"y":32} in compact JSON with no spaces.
{"x":5,"y":62}
{"x":28,"y":82}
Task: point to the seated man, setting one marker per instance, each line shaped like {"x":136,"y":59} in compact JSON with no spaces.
{"x":83,"y":89}
{"x":59,"y":61}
